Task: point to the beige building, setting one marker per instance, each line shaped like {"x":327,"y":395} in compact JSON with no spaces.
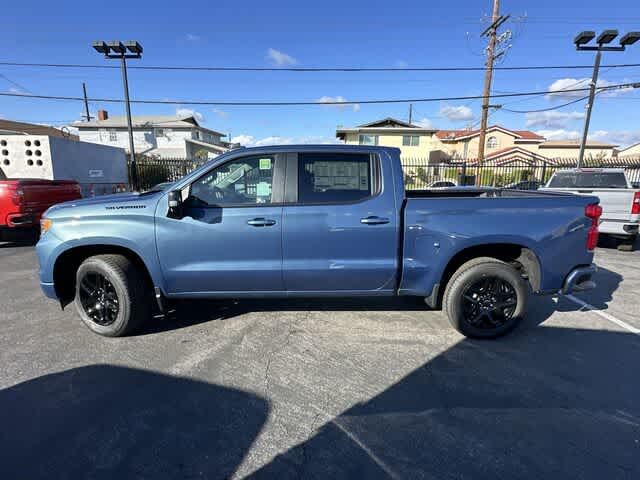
{"x":630,"y":151}
{"x":446,"y":145}
{"x":412,"y":140}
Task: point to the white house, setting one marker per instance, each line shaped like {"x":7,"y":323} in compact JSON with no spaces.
{"x":153,"y":135}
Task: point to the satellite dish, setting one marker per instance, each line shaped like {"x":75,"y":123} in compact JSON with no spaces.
{"x":66,"y":133}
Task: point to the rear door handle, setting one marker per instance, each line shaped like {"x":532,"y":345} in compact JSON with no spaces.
{"x":261,"y":222}
{"x":373,"y":220}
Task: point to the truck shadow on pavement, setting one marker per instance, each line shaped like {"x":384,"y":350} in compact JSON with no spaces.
{"x":551,"y":403}
{"x":193,"y":312}
{"x":545,"y":403}
{"x":107,"y":422}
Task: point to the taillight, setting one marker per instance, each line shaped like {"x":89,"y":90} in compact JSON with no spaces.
{"x":592,"y":211}
{"x":18,"y":196}
{"x":635,"y":206}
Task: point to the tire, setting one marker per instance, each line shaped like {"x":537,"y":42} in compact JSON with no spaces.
{"x":627,"y":244}
{"x":469,"y":302}
{"x":123,"y":285}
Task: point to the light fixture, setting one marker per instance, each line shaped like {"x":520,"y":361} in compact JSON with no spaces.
{"x":133,"y":46}
{"x":606,"y":37}
{"x":630,"y":38}
{"x":584,"y":37}
{"x":117,"y":47}
{"x":101,"y":47}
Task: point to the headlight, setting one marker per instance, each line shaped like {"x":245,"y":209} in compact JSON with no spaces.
{"x":45,"y":225}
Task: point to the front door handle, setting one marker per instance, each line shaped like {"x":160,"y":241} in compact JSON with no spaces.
{"x":373,"y":220}
{"x":261,"y":222}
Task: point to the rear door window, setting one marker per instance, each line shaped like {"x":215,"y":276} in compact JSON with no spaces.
{"x":334,"y":177}
{"x":588,"y":180}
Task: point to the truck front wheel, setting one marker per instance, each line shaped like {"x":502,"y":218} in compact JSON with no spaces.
{"x":111,"y":297}
{"x":485,"y":298}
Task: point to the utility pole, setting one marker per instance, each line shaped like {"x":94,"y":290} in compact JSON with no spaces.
{"x":87,"y":116}
{"x":410,"y":112}
{"x":491,"y":31}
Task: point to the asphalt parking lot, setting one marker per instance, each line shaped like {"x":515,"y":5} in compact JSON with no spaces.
{"x":321,"y":389}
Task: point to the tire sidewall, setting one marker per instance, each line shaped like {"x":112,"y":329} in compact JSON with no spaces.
{"x":472,"y":275}
{"x":116,"y":328}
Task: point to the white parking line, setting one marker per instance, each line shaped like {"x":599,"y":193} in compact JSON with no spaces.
{"x":604,"y":315}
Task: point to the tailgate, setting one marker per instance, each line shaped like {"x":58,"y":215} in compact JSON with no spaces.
{"x":616,"y":203}
{"x":38,"y":196}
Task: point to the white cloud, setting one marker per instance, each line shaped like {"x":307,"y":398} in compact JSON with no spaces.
{"x":251,"y":141}
{"x":328,"y":100}
{"x":557,"y":88}
{"x":424,"y":123}
{"x":552,"y":119}
{"x":401,"y":64}
{"x":192,"y":37}
{"x":559,"y":134}
{"x":453,"y":113}
{"x":220,"y":113}
{"x":280,"y":58}
{"x":616,"y":137}
{"x":188,"y":112}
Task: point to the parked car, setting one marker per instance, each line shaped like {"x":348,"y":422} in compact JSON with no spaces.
{"x":443,"y":184}
{"x":325,"y":220}
{"x":525,"y":185}
{"x":22,"y":202}
{"x":619,"y":200}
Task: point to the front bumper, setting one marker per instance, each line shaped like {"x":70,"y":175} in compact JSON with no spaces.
{"x":48,"y":289}
{"x":579,"y":279}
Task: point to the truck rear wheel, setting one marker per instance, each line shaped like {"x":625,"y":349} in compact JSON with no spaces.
{"x":485,"y":298}
{"x":111,"y":297}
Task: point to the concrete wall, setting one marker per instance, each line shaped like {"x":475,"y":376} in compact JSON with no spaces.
{"x":54,"y":158}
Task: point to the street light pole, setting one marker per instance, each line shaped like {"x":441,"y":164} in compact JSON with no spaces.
{"x":132,"y":153}
{"x":587,"y":117}
{"x":119,"y":50}
{"x":602,"y":45}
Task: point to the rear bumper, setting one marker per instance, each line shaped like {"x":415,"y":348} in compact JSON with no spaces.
{"x":579,"y":279}
{"x":618,"y":227}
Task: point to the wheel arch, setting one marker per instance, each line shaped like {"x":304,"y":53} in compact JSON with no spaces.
{"x":519,"y":255}
{"x":67,"y":263}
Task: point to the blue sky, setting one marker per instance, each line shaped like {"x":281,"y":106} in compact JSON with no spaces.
{"x":327,"y":33}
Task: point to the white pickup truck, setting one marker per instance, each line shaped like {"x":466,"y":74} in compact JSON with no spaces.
{"x":620,"y":202}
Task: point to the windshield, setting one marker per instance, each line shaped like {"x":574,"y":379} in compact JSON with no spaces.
{"x":588,"y":180}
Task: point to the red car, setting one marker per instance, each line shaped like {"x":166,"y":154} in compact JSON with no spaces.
{"x":22,"y":203}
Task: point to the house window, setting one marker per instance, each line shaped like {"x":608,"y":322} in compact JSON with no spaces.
{"x":198,"y":135}
{"x":492,"y":142}
{"x":410,"y":140}
{"x":159,"y":132}
{"x":102,"y":134}
{"x":368,"y":139}
{"x":113,"y":136}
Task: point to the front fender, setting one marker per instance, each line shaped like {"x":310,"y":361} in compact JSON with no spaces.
{"x":135,"y":236}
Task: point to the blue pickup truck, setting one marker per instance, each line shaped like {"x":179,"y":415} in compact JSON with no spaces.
{"x":316,"y":221}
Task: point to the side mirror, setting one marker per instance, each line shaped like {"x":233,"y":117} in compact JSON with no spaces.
{"x":175,"y":204}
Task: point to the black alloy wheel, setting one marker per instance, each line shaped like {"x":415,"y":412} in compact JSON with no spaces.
{"x":99,"y":299}
{"x":489,"y":303}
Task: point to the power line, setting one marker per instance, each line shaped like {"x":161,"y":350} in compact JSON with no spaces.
{"x":313,"y":69}
{"x":15,"y":84}
{"x":314,"y":103}
{"x":556,"y":107}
